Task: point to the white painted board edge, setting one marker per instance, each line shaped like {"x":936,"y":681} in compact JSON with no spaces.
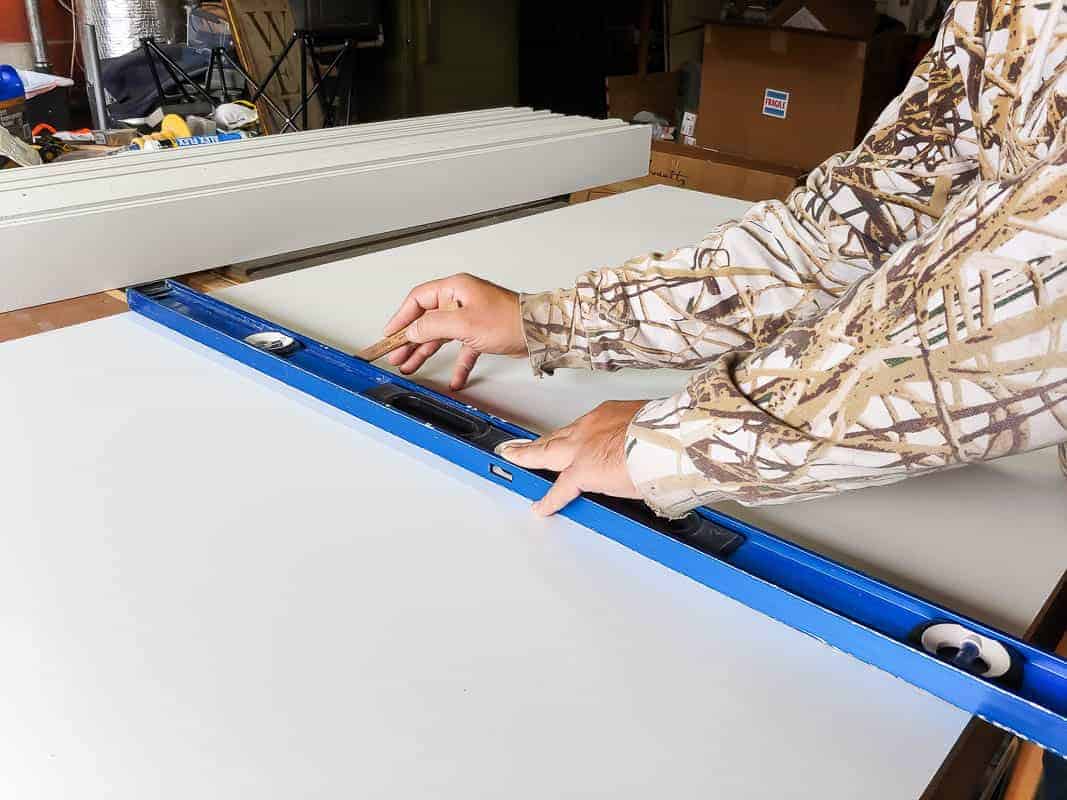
{"x":114,"y":189}
{"x":52,"y":259}
{"x":133,"y":163}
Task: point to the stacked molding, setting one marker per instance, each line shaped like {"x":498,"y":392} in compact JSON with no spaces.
{"x":71,"y":229}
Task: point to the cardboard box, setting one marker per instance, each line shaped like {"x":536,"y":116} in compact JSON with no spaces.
{"x":656,"y":92}
{"x":705,"y":171}
{"x":855,"y":19}
{"x":786,"y":97}
{"x":721,"y":173}
{"x":608,"y":189}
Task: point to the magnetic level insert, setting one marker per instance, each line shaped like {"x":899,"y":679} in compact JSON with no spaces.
{"x":272,"y":342}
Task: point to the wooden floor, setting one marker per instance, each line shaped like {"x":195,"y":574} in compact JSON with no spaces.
{"x":38,"y":319}
{"x":28,"y":321}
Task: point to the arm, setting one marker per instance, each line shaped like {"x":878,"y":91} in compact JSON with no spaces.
{"x":748,"y":280}
{"x":954,"y":351}
{"x":683,"y":308}
{"x":782,"y":262}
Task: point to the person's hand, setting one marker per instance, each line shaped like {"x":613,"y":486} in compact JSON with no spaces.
{"x":589,"y":455}
{"x":487,"y":320}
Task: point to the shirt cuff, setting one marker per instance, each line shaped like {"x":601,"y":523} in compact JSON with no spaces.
{"x":659,"y":466}
{"x":552,"y":324}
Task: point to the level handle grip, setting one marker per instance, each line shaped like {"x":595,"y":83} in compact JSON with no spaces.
{"x":693,"y":529}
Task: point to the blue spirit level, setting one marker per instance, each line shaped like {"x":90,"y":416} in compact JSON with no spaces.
{"x":977,"y":668}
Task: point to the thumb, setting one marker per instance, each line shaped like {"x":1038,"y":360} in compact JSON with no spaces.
{"x":434,"y":325}
{"x":559,"y":495}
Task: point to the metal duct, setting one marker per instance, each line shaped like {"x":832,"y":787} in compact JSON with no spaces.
{"x":37,"y":38}
{"x":93,"y":85}
{"x":120,"y":24}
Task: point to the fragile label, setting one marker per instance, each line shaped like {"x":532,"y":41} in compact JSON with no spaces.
{"x":775,"y":103}
{"x":689,"y":123}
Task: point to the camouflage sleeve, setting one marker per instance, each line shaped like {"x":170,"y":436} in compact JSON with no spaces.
{"x":954,"y":351}
{"x":750,"y":279}
{"x":743,"y":282}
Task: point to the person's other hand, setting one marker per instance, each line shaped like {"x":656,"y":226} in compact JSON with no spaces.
{"x":589,"y":455}
{"x":486,"y":320}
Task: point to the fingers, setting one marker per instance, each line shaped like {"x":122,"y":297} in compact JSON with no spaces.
{"x":411,"y":357}
{"x":557,"y":452}
{"x":554,"y":452}
{"x":411,"y":308}
{"x":563,"y":491}
{"x":434,"y":325}
{"x":419,"y":355}
{"x":424,"y":297}
{"x":464,"y":364}
{"x":401,"y":354}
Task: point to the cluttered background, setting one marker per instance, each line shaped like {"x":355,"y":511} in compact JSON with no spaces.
{"x":85,"y":78}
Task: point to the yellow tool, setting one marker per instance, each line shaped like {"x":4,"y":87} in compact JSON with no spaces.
{"x":170,"y":130}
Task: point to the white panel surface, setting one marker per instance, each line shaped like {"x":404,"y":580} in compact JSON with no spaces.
{"x":989,"y":540}
{"x":72,"y":232}
{"x":214,"y":588}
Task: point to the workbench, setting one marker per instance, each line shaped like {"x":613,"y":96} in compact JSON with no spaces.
{"x":216,"y":586}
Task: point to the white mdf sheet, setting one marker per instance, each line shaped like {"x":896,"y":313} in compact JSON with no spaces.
{"x":65,"y":170}
{"x":988,"y":540}
{"x":65,"y":253}
{"x":214,"y":587}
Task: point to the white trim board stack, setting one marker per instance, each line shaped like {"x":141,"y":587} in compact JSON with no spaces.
{"x":71,"y":229}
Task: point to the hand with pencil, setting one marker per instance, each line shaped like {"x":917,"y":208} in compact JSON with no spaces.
{"x":588,"y":454}
{"x":481,"y":316}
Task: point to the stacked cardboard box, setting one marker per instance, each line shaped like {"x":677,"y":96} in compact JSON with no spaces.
{"x":788,"y":97}
{"x":803,"y":87}
{"x":721,"y":173}
{"x":776,"y":100}
{"x":705,"y":171}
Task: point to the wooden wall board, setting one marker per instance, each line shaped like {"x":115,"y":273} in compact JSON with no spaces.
{"x":261,"y":29}
{"x":213,"y":280}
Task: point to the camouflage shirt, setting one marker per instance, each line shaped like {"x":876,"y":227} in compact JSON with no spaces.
{"x":904,"y":311}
